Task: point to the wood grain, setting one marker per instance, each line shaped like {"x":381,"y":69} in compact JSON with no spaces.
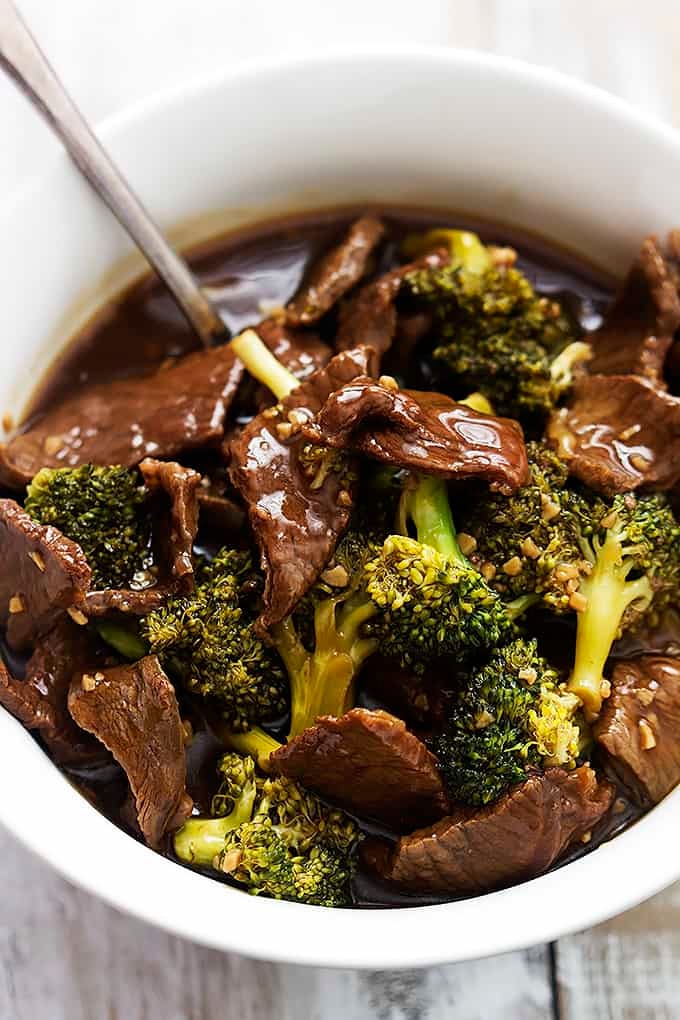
{"x":626,"y":969}
{"x":65,"y":955}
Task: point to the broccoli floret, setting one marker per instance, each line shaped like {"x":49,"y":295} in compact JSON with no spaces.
{"x":610,"y":561}
{"x":104,"y":510}
{"x":496,"y":334}
{"x":200,"y":840}
{"x":256,"y":856}
{"x":208,"y":642}
{"x":527,"y":544}
{"x":274,"y":837}
{"x":432,"y":600}
{"x":632,"y":547}
{"x":508,"y":716}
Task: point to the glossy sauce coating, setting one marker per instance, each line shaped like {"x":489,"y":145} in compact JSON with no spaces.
{"x":253,"y":272}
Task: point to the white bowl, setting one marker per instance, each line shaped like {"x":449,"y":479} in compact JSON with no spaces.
{"x":460,"y":130}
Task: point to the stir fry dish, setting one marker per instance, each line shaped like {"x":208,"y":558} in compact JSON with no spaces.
{"x":375,"y":602}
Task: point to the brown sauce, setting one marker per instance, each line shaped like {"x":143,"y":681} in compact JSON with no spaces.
{"x":251,"y":272}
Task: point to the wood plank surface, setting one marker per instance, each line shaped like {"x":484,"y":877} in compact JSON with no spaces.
{"x":626,"y":969}
{"x":65,"y":955}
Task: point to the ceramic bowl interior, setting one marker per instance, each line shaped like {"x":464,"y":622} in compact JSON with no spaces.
{"x":461,"y":131}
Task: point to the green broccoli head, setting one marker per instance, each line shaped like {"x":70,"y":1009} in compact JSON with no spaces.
{"x":496,"y":334}
{"x":104,"y":510}
{"x":631,"y":545}
{"x":301,"y":819}
{"x":274,"y":837}
{"x":430,"y":606}
{"x":208,"y":642}
{"x":256,"y":856}
{"x":505,"y":718}
{"x":431,"y":601}
{"x":528,"y":545}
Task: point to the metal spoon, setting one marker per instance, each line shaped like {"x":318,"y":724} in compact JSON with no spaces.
{"x":24,"y":61}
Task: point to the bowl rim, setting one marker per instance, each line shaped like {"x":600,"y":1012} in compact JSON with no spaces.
{"x":352,"y":938}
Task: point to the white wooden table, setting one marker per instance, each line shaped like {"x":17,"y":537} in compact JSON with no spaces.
{"x":63,"y":954}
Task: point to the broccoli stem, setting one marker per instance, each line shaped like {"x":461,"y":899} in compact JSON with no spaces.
{"x":428,"y":507}
{"x":478,"y":402}
{"x":562,"y":367}
{"x":262,"y":364}
{"x":321,"y":683}
{"x":608,"y":593}
{"x":465,"y":247}
{"x":123,"y":639}
{"x":517,"y":607}
{"x":200,"y":840}
{"x":255,"y":742}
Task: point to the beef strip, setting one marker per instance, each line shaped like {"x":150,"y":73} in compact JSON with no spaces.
{"x":133,"y":711}
{"x":639,"y":726}
{"x":297,"y":513}
{"x":336,"y":272}
{"x":369,"y":764}
{"x":219,"y":512}
{"x":639,"y":328}
{"x":371,"y":317}
{"x":423,"y":432}
{"x":181,"y":407}
{"x":417,"y":698}
{"x":176,"y":523}
{"x":124,"y":600}
{"x":619,"y":433}
{"x":520,"y":836}
{"x":39,"y":700}
{"x":43,"y":574}
{"x":301,"y":351}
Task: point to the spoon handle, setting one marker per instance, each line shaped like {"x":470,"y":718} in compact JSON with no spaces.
{"x":22,"y":58}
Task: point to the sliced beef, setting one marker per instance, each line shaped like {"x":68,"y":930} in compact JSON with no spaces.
{"x":619,"y":433}
{"x":658,"y":635}
{"x":369,"y":764}
{"x":176,"y":520}
{"x":219,"y":513}
{"x":39,"y":700}
{"x":298,"y":507}
{"x":133,"y":711}
{"x":336,"y":273}
{"x":181,"y":407}
{"x":518,"y":837}
{"x":301,"y":351}
{"x":124,"y":600}
{"x":418,"y":698}
{"x":425,"y":431}
{"x":43,"y":573}
{"x":638,"y":331}
{"x":371,"y":317}
{"x":639,"y":726}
